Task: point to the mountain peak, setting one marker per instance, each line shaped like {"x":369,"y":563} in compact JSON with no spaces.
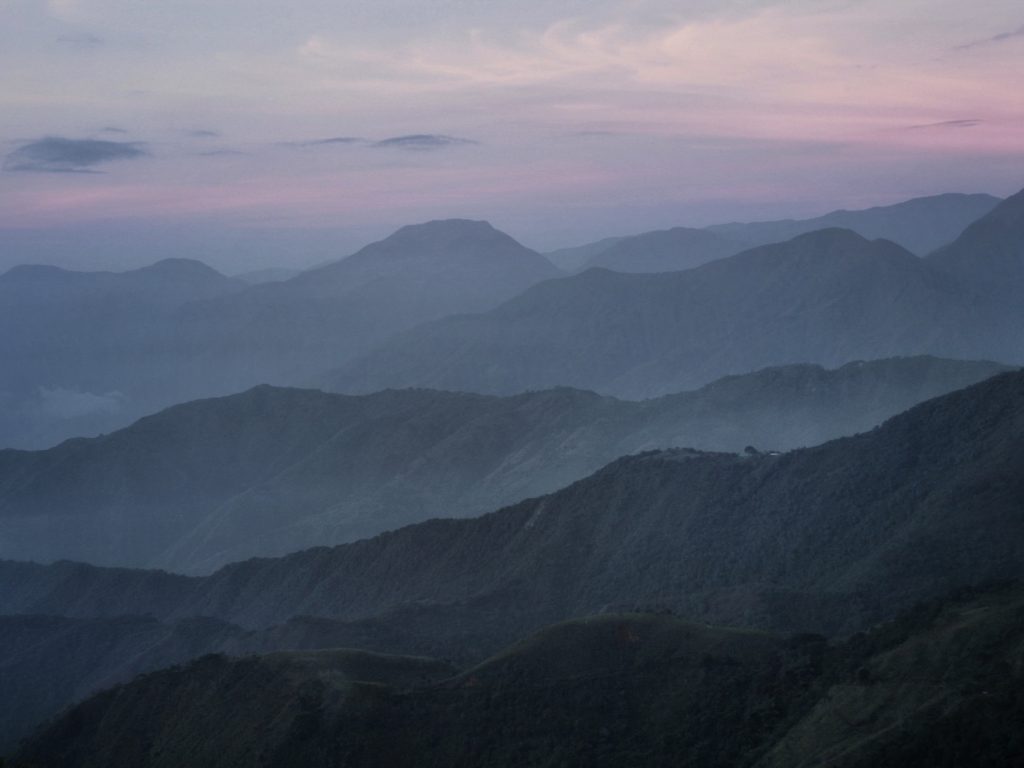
{"x":448,"y":226}
{"x":179,"y":267}
{"x":441,"y":244}
{"x":448,"y":235}
{"x":831,"y":236}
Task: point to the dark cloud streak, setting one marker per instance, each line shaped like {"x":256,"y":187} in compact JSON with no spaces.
{"x":422,"y":141}
{"x":81,"y":40}
{"x":347,"y":140}
{"x":53,"y":154}
{"x":970,"y":123}
{"x":995,"y":39}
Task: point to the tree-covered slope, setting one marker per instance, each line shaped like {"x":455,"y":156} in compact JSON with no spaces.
{"x":940,"y":687}
{"x":829,"y":539}
{"x":271,"y":471}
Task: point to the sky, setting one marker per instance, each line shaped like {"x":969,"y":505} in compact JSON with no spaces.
{"x":256,"y":133}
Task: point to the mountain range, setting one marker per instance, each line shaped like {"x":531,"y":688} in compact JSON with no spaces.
{"x":827,"y":297}
{"x":939,"y":687}
{"x":274,"y":470}
{"x":668,"y":250}
{"x":88,"y":353}
{"x":828,"y":539}
{"x":831,"y":539}
{"x":921,"y":225}
{"x":91,"y":352}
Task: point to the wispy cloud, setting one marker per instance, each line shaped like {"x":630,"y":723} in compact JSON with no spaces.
{"x":53,"y":154}
{"x":343,"y":140}
{"x":112,"y":129}
{"x":81,"y":40}
{"x":1001,"y":37}
{"x":412,"y":141}
{"x":422,"y":141}
{"x":969,"y":123}
{"x":203,"y":133}
{"x":333,"y":140}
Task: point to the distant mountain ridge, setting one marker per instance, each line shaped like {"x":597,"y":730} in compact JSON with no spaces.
{"x":118,"y":345}
{"x":271,"y":471}
{"x":920,"y":225}
{"x":667,"y":250}
{"x":827,"y":297}
{"x":990,"y":252}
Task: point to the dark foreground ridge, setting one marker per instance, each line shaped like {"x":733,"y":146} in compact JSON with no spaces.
{"x":940,"y":687}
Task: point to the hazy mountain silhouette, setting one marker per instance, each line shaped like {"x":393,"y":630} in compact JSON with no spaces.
{"x":939,"y":687}
{"x":827,"y":297}
{"x":75,"y":344}
{"x":268,"y":275}
{"x":667,"y":250}
{"x":283,"y":333}
{"x":177,"y":331}
{"x":829,"y":539}
{"x":576,"y":257}
{"x":271,"y":471}
{"x":990,"y":252}
{"x":920,"y":225}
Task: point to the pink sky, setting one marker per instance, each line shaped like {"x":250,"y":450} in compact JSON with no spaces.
{"x":560,"y":124}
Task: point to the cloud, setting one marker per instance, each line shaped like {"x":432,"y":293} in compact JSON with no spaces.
{"x":422,"y":141}
{"x":53,"y":154}
{"x":970,"y":123}
{"x":332,"y":140}
{"x":348,"y":140}
{"x":1001,"y":37}
{"x":81,"y":40}
{"x":203,"y":133}
{"x":112,"y":129}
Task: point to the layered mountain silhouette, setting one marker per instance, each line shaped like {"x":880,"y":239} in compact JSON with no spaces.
{"x":89,"y":352}
{"x":829,"y":539}
{"x":940,"y":687}
{"x":75,"y":343}
{"x":667,"y":250}
{"x":827,"y":297}
{"x":920,"y":225}
{"x":990,"y":252}
{"x":271,"y":470}
{"x":574,"y":258}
